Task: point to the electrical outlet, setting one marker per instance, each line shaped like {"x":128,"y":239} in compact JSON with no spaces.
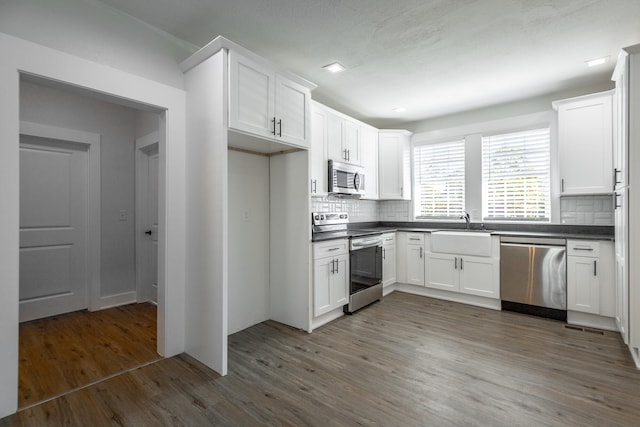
{"x":122,"y":216}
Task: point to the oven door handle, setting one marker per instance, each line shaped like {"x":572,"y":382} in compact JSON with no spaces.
{"x":367,"y":244}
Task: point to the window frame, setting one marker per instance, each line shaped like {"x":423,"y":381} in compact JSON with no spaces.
{"x":472,"y":134}
{"x":414,"y":198}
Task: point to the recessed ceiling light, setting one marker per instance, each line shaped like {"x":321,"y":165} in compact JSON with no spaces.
{"x":399,"y":109}
{"x":335,"y":67}
{"x":597,"y":61}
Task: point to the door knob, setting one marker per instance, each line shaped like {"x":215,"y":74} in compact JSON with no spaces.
{"x":148,"y":232}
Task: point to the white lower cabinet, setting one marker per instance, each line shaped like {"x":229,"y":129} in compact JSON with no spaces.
{"x":458,"y":272}
{"x":330,"y":276}
{"x":442,"y":272}
{"x":590,"y":277}
{"x":480,"y":276}
{"x":415,"y":259}
{"x":388,"y":259}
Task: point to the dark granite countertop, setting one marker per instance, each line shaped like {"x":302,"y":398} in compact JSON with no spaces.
{"x":582,"y":232}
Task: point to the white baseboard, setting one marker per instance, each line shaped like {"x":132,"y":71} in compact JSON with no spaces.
{"x":116,"y":300}
{"x":386,"y":290}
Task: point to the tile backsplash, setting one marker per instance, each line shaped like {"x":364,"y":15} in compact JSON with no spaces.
{"x":587,"y":210}
{"x":358,"y":210}
{"x":574,"y":210}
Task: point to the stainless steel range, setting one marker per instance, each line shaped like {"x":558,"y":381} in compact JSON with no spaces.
{"x":365,"y":258}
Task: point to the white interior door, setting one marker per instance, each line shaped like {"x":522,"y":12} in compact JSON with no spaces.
{"x":148,"y":164}
{"x":53,"y":227}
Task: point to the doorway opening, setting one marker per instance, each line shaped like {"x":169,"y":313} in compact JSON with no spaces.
{"x":87,"y":310}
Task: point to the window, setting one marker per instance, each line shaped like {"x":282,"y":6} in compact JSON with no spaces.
{"x":439,"y":180}
{"x":515,"y":176}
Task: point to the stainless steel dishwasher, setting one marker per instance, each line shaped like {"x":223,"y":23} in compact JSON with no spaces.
{"x":533,"y":276}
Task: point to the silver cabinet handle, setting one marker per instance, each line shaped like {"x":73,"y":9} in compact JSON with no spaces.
{"x":334,"y":249}
{"x":384,"y":254}
{"x":460,"y":263}
{"x":582,"y":249}
{"x":279,"y":127}
{"x":595,"y":268}
{"x":455,"y":263}
{"x":273,"y":121}
{"x":415,"y":239}
{"x":332,"y":268}
{"x":420,"y":251}
{"x":337,"y":266}
{"x":562,"y":185}
{"x":615,"y":201}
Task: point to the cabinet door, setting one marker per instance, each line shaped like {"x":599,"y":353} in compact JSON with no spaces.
{"x":340,"y":282}
{"x":585,"y":138}
{"x":622,"y":303}
{"x":388,"y":265}
{"x":479,"y":276}
{"x":335,"y":150}
{"x":251,"y":96}
{"x":621,"y":129}
{"x":292,"y":112}
{"x":319,"y":171}
{"x":583,"y":287}
{"x":323,"y":271}
{"x":415,"y":265}
{"x":393,"y":166}
{"x":351,"y":142}
{"x":369,"y":157}
{"x":442,"y":272}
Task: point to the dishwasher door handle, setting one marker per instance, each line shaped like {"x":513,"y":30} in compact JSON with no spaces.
{"x":529,"y":245}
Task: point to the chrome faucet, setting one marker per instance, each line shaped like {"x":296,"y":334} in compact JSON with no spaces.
{"x":467,"y":218}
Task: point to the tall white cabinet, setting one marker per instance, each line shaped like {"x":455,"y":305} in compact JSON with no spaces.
{"x":627,"y":230}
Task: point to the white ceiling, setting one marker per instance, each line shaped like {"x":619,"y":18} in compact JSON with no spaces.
{"x":434,"y":57}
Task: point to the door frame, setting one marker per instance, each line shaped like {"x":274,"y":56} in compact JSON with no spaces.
{"x":143,"y":145}
{"x":92,"y":237}
{"x":21,"y":57}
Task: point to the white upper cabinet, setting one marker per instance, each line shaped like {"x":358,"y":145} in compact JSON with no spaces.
{"x":266,"y":104}
{"x":394,"y":165}
{"x":318,"y":155}
{"x":621,"y":113}
{"x":343,"y":139}
{"x":585,"y":144}
{"x":369,"y":147}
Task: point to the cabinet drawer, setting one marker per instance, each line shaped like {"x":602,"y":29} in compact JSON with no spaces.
{"x":415,"y":238}
{"x":586,"y":248}
{"x":388,"y":239}
{"x":330,"y":248}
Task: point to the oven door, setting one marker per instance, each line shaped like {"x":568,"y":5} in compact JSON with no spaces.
{"x":366,"y":268}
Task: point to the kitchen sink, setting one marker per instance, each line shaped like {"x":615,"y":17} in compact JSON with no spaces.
{"x":477,"y":243}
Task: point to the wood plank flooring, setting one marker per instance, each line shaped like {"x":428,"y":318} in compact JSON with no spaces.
{"x":405,"y":361}
{"x":62,"y":353}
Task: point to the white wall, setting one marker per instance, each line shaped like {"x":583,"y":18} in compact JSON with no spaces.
{"x":23,"y":56}
{"x":95,"y":31}
{"x":116,"y":126}
{"x":500,"y":111}
{"x":248,"y":240}
{"x":146,"y":123}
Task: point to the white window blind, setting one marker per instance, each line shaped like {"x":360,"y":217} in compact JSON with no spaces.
{"x":439,"y":180}
{"x":515,"y":176}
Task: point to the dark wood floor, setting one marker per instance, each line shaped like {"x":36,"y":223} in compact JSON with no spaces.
{"x":62,"y":353}
{"x":406,"y":361}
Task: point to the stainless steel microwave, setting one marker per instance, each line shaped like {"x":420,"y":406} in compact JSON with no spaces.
{"x":346,"y":179}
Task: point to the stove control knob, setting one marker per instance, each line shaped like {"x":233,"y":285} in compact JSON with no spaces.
{"x":317,"y":217}
{"x":322,"y":217}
